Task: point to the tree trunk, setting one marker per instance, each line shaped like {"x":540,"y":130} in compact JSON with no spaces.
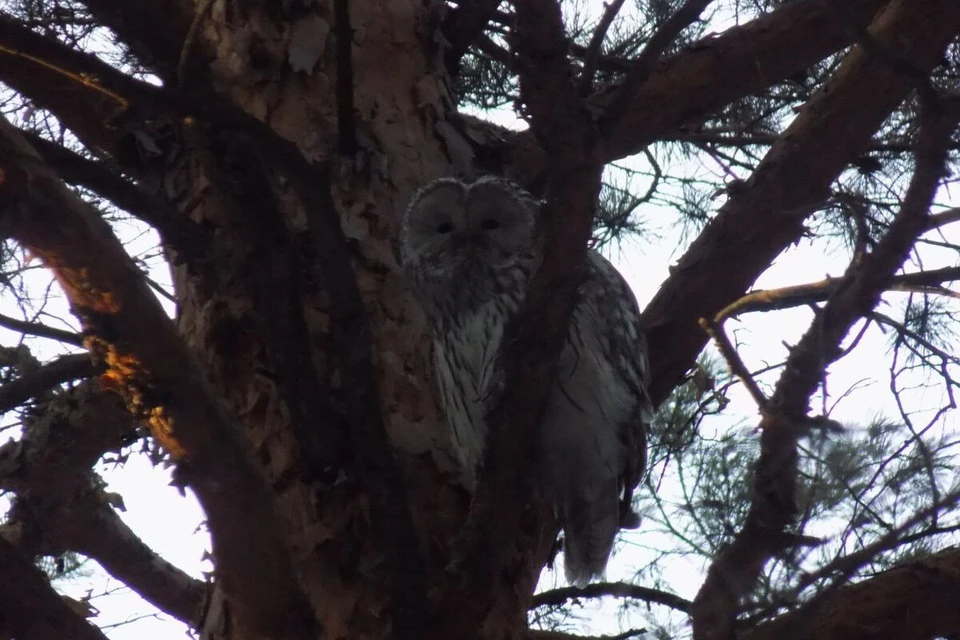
{"x":246,"y":324}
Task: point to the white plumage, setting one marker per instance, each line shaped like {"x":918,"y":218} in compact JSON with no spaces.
{"x":467,"y":249}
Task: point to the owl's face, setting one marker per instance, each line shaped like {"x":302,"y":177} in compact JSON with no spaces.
{"x":451,"y":226}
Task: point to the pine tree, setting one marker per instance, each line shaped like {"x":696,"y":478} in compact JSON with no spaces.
{"x":270,"y":148}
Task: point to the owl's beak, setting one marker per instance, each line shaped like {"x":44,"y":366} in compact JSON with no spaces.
{"x":474,"y":238}
{"x":470,"y":240}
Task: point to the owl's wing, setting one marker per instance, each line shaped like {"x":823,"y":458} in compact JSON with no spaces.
{"x":624,"y":340}
{"x":623,"y":334}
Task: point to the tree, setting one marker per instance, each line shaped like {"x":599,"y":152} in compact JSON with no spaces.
{"x":272,"y":145}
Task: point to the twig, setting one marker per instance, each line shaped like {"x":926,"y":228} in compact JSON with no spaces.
{"x":596,"y":44}
{"x":737,"y":367}
{"x":661,"y":39}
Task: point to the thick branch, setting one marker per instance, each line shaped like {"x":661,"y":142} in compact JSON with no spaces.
{"x":760,"y":221}
{"x":29,"y":607}
{"x":915,"y":601}
{"x":506,"y":559}
{"x":88,"y":525}
{"x":73,"y":430}
{"x":61,"y":79}
{"x":151,"y":366}
{"x":154,"y":31}
{"x":712,"y":73}
{"x":735,"y":570}
{"x":717,"y":71}
{"x":49,"y":471}
{"x":611,"y":589}
{"x":175,"y":231}
{"x":463,"y":26}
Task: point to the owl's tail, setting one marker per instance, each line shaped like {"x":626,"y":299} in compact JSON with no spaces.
{"x":591,"y":518}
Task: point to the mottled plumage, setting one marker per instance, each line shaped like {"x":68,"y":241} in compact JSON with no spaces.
{"x":467,"y":249}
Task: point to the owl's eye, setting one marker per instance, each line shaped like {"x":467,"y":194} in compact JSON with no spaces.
{"x":489,"y":224}
{"x":445,"y":227}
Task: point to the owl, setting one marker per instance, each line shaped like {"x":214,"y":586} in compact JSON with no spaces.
{"x":468,"y":252}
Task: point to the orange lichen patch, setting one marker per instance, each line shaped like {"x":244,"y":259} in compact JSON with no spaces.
{"x":161,"y":426}
{"x":123,"y":365}
{"x":127,"y":376}
{"x":110,"y":381}
{"x":77,"y":284}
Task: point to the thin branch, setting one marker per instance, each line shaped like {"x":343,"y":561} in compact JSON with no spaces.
{"x":152,"y":367}
{"x":735,"y":570}
{"x":463,"y":26}
{"x":41,"y":330}
{"x":611,"y":589}
{"x":641,"y":68}
{"x":845,"y":566}
{"x":88,"y":525}
{"x":813,"y":292}
{"x":70,"y":433}
{"x":538,"y":634}
{"x":595,"y":46}
{"x":186,"y":238}
{"x":737,"y":367}
{"x":945,"y":217}
{"x":29,"y":607}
